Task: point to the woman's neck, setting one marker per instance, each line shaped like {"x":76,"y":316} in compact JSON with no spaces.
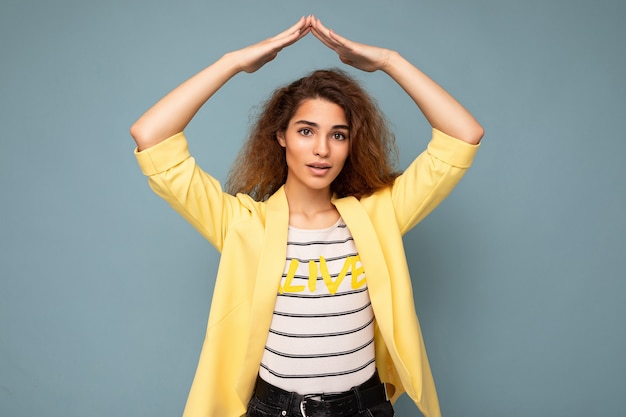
{"x":312,"y":209}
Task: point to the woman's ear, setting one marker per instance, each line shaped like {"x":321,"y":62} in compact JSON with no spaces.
{"x":280,"y":137}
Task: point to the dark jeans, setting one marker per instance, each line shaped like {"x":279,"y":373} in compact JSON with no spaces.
{"x":368,"y":400}
{"x":258,"y":409}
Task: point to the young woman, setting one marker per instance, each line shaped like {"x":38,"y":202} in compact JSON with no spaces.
{"x":312,"y":306}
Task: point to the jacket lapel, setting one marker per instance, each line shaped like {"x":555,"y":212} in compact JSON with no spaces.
{"x":372,"y":258}
{"x":268,"y":275}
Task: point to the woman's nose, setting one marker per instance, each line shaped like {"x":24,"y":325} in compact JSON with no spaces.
{"x":321,"y":147}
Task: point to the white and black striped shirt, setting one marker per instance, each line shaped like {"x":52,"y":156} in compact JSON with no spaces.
{"x":322,"y":334}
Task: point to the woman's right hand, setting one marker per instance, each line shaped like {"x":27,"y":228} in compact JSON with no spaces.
{"x":253,"y":57}
{"x":173,"y":112}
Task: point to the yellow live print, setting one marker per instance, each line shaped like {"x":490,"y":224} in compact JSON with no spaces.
{"x":349,"y":265}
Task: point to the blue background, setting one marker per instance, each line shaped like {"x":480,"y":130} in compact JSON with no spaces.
{"x":519,"y":276}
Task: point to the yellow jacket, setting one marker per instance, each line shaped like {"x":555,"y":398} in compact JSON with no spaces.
{"x":252,"y":238}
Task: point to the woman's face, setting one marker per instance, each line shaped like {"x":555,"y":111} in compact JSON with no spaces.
{"x":316,"y":144}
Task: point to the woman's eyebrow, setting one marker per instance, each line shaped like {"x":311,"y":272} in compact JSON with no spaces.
{"x":313,"y":124}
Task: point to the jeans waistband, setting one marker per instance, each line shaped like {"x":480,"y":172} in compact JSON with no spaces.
{"x":359,"y":398}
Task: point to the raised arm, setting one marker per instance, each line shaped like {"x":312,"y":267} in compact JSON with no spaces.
{"x":172,"y":113}
{"x":442,"y":111}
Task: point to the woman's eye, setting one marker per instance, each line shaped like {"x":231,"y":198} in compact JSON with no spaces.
{"x":305,"y":132}
{"x":339,"y":136}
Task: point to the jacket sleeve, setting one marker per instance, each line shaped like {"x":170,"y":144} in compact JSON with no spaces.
{"x":174,"y":176}
{"x":430,"y":178}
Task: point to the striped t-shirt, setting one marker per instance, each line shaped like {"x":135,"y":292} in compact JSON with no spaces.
{"x":321,"y":339}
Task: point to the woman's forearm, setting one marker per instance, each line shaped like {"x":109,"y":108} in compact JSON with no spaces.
{"x":172,"y":113}
{"x":441,"y":110}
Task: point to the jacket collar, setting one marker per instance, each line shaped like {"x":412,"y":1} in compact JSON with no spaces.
{"x":371,"y":254}
{"x":270,"y":269}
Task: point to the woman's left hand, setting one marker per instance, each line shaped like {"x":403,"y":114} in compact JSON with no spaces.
{"x":364,"y":57}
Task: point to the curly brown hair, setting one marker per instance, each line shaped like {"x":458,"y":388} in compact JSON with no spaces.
{"x":260,"y":168}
